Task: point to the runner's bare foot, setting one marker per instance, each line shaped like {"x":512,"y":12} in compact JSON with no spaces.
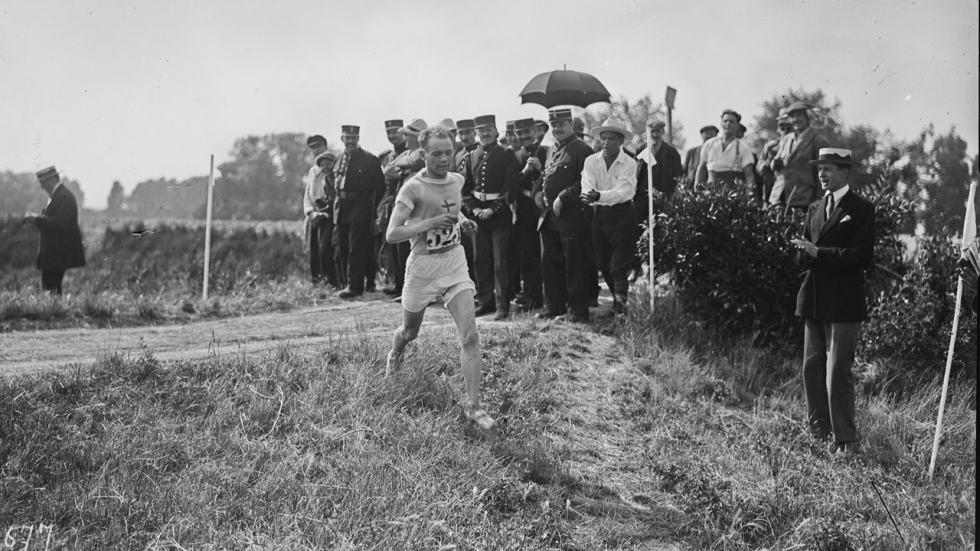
{"x":480,"y":417}
{"x":394,"y":361}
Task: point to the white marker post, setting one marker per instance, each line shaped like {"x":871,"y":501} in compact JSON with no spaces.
{"x":650,"y":161}
{"x":969,"y":234}
{"x":207,"y":231}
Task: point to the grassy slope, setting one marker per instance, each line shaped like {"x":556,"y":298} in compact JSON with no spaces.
{"x":603,"y":444}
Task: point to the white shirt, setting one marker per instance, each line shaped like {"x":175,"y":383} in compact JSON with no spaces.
{"x":616,"y":184}
{"x":719,"y":158}
{"x":839,"y":194}
{"x":309,"y":196}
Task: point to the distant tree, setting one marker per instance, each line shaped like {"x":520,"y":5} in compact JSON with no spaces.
{"x":636,"y":114}
{"x":264,"y":180}
{"x":825,"y":116}
{"x":168,"y":198}
{"x":117,"y":196}
{"x":20,"y":192}
{"x":940,"y":183}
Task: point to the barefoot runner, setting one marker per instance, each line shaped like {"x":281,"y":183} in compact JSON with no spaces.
{"x":427,"y":212}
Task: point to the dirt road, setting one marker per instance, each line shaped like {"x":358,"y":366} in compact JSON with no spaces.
{"x":26,"y":352}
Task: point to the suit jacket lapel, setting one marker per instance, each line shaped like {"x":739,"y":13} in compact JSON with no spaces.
{"x":802,"y":142}
{"x":840,"y":209}
{"x":816,"y":222}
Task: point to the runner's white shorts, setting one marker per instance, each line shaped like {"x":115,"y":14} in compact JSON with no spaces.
{"x":428,"y":276}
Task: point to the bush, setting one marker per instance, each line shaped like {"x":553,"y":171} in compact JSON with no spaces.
{"x":735,"y":268}
{"x":913,"y":320}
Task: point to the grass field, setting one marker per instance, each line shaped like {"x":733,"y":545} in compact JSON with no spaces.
{"x":157,"y":277}
{"x":649,"y":439}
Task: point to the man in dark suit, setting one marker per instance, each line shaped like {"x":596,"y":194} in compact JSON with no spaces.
{"x":532,"y":157}
{"x":796,"y":179}
{"x":61,"y":239}
{"x":360,"y":183}
{"x":564,"y":225}
{"x":838,"y":239}
{"x":692,"y":158}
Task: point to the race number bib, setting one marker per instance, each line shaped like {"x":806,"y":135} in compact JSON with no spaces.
{"x":439,"y":239}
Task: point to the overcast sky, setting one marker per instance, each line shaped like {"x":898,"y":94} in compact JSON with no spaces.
{"x":114,"y":90}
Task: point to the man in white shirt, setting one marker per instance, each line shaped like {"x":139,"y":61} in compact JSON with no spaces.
{"x":609,"y":184}
{"x":725,"y":159}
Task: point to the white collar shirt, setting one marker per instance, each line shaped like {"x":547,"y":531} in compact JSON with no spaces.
{"x":838,"y":195}
{"x":615,"y":184}
{"x":721,"y":158}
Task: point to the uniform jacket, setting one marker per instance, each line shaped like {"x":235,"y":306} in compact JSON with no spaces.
{"x":461,"y":158}
{"x":61,"y":238}
{"x":563,"y":178}
{"x":493,"y":170}
{"x":363,"y":186}
{"x":665,"y":172}
{"x":798,"y":178}
{"x":523,"y":154}
{"x":833,"y":287}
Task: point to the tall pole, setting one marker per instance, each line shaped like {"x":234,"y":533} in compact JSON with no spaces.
{"x":969,"y":219}
{"x":650,"y":161}
{"x":670,"y":124}
{"x":207,"y":231}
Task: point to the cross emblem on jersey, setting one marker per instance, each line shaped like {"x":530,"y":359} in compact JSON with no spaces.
{"x":447,"y":205}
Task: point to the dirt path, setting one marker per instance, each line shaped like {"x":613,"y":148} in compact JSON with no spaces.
{"x":27,"y":352}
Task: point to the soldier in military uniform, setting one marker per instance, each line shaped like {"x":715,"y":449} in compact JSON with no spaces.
{"x":396,"y":173}
{"x":387,"y":253}
{"x":490,"y":185}
{"x":359,"y":182}
{"x":532,"y":157}
{"x":466,"y":132}
{"x":564,"y":224}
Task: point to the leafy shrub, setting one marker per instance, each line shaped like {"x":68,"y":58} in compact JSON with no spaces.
{"x":913,"y":320}
{"x":735,"y":267}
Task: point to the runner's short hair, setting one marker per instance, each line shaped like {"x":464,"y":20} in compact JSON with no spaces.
{"x":438,"y":132}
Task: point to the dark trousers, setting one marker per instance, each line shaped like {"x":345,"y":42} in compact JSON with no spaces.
{"x":398,"y":257}
{"x":565,"y":266}
{"x":371,"y":275}
{"x":51,"y":281}
{"x":354,"y":240}
{"x":514,"y":263}
{"x":590,"y":255}
{"x":613,"y":231}
{"x":469,"y":246}
{"x":492,"y":260}
{"x":322,"y":252}
{"x":828,"y":356}
{"x":529,"y":254}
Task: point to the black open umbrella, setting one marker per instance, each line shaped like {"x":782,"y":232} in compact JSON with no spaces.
{"x":564,"y":88}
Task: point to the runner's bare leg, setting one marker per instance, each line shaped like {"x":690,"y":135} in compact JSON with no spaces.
{"x":411,"y":322}
{"x":471,"y":362}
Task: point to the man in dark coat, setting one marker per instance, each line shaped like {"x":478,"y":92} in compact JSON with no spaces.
{"x":838,"y":239}
{"x":532,"y":157}
{"x":466,"y":131}
{"x":666,"y":169}
{"x":359,"y":182}
{"x":564,"y":225}
{"x":692,"y":158}
{"x":489,"y":188}
{"x":61,"y":239}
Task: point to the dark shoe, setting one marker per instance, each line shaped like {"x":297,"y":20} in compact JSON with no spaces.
{"x":349,"y":293}
{"x":484,"y":310}
{"x":521,"y":299}
{"x":594,"y":303}
{"x":844,"y":449}
{"x":392,"y":291}
{"x":547,"y":315}
{"x":501,"y":315}
{"x":370,"y":289}
{"x":572,"y":318}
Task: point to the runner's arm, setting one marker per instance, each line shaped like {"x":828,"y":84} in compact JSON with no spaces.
{"x":398,"y":231}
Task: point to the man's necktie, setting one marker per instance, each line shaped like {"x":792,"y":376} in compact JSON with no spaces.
{"x":830,"y":205}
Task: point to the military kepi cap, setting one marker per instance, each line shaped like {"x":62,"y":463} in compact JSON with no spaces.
{"x":315,"y":139}
{"x":50,"y":173}
{"x":834,"y":155}
{"x":350,"y":130}
{"x":485,"y":120}
{"x":509,"y":126}
{"x":523,"y":124}
{"x":559,"y":115}
{"x":466,"y":124}
{"x":544,"y":126}
{"x":394,"y":124}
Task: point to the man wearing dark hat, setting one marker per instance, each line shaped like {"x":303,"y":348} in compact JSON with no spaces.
{"x":726,"y":160}
{"x":692,"y":158}
{"x":608,"y":185}
{"x":564,"y":224}
{"x":360,"y":183}
{"x":510,"y":136}
{"x":396,"y":173}
{"x":784,"y":125}
{"x":61,"y":239}
{"x":838,"y":242}
{"x":796,"y":183}
{"x":318,"y":216}
{"x":531,"y":157}
{"x":490,"y":185}
{"x":540,"y":129}
{"x":386,"y":253}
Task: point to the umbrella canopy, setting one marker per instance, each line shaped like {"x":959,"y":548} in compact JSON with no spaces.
{"x":564,"y":88}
